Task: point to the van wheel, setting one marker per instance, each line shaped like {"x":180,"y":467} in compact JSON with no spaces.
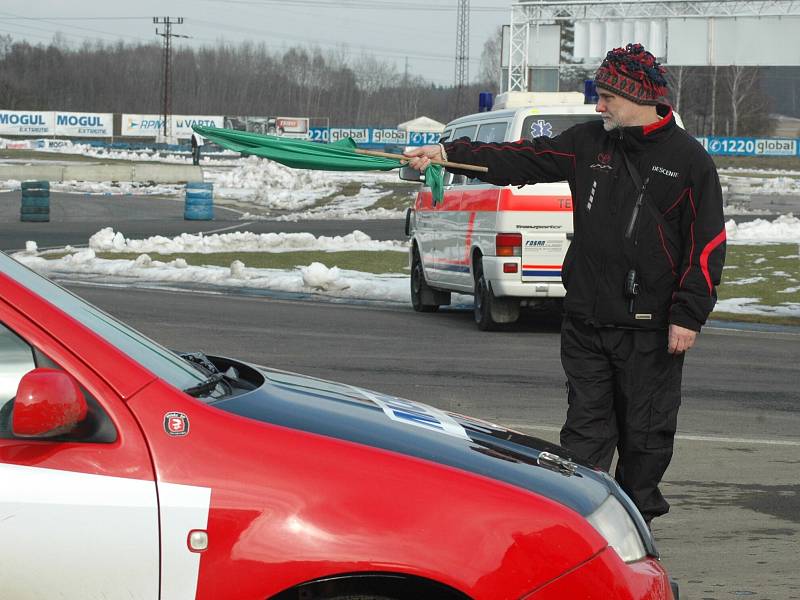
{"x":483,"y":302}
{"x":420,"y":288}
{"x":490,"y":311}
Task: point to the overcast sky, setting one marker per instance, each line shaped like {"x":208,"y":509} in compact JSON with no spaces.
{"x":423,"y":32}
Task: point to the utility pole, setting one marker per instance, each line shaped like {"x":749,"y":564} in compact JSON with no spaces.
{"x":462,"y":53}
{"x":167,"y":34}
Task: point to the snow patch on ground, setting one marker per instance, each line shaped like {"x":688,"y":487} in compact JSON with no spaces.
{"x":107,"y":240}
{"x":315,"y":278}
{"x":784,"y":229}
{"x":751,"y":306}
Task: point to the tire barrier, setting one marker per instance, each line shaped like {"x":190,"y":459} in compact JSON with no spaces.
{"x":35,"y":201}
{"x":199,"y":202}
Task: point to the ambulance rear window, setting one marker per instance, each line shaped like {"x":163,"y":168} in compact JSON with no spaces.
{"x":551,"y":125}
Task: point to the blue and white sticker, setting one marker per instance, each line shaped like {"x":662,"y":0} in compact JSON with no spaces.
{"x":541,"y":128}
{"x":416,"y":414}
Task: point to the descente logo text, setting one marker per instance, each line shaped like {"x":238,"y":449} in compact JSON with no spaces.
{"x":664,"y":171}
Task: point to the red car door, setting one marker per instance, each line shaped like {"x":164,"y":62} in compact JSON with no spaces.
{"x":79,"y":511}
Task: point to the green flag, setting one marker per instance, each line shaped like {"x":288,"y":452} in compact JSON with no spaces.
{"x":302,"y":154}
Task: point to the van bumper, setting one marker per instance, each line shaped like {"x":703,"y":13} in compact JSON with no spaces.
{"x":511,"y":284}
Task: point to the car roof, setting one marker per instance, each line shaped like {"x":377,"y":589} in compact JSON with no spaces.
{"x":510,"y":113}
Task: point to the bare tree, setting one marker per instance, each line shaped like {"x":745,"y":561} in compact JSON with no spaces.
{"x":491,"y":70}
{"x":234,"y":80}
{"x":740,"y":82}
{"x":676,"y":77}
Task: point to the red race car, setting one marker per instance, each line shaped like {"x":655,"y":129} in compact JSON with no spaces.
{"x":131,"y":471}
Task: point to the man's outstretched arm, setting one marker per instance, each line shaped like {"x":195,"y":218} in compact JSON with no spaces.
{"x":509,"y":163}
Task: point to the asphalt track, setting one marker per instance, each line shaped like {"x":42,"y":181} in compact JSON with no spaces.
{"x":734,"y":527}
{"x":74,"y":218}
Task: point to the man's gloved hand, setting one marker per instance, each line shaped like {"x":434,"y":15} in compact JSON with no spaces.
{"x":680,"y":339}
{"x":421,"y":157}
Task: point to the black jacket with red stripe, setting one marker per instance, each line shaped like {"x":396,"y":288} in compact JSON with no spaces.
{"x":677,"y":258}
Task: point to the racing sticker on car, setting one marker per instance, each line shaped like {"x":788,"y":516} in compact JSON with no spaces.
{"x":418,"y":415}
{"x":176,"y":424}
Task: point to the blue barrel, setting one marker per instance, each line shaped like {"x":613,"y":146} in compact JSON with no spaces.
{"x":199,"y":201}
{"x":35,"y":201}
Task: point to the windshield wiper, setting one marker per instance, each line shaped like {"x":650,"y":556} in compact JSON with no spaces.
{"x":206,"y":366}
{"x":205,"y":386}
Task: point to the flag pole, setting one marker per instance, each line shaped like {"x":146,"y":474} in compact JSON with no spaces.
{"x":454,"y":165}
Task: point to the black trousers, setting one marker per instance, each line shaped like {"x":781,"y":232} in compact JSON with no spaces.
{"x":623,"y":390}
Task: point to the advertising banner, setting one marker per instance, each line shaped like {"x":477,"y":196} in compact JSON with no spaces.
{"x":736,"y":146}
{"x":18,"y":122}
{"x":141,"y":125}
{"x":153,"y":125}
{"x":182,"y":124}
{"x":360,"y":135}
{"x":295,"y":127}
{"x":374,"y":137}
{"x":423,"y":138}
{"x":72,"y":124}
{"x":389,"y":136}
{"x":291,"y":125}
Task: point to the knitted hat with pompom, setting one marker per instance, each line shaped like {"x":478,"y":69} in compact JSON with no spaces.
{"x":633,"y":73}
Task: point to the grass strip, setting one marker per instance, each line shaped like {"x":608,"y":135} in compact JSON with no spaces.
{"x":370,"y":262}
{"x":771,"y":269}
{"x":766,"y":272}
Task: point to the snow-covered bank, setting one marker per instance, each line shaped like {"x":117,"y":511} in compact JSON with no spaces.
{"x":317,"y":278}
{"x":107,"y":240}
{"x":784,"y":229}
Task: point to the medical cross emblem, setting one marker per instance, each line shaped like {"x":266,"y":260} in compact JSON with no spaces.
{"x":540,"y":128}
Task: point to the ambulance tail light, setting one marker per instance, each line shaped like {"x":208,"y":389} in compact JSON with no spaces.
{"x":509,"y":244}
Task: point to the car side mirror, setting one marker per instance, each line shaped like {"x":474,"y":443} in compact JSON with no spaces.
{"x":49,"y":403}
{"x":409,"y":174}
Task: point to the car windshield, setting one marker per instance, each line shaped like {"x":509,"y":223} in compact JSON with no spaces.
{"x":551,"y":125}
{"x":158,"y":360}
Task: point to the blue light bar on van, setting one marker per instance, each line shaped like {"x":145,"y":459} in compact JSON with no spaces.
{"x":485,"y":101}
{"x":589,"y":92}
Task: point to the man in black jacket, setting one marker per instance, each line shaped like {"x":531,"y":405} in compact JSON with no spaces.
{"x":641,"y":271}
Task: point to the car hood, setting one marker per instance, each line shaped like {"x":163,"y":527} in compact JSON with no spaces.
{"x":382,"y":421}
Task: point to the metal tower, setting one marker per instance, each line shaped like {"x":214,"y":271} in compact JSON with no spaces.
{"x":526,"y":14}
{"x":462,"y":53}
{"x":167,"y":35}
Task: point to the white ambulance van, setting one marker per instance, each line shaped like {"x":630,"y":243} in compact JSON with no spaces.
{"x":504,"y":245}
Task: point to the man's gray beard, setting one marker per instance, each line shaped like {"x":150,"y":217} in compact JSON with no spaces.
{"x":610,"y":124}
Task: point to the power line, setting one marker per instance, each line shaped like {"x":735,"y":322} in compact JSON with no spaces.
{"x":49,"y":20}
{"x":167,"y":34}
{"x":372,"y":5}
